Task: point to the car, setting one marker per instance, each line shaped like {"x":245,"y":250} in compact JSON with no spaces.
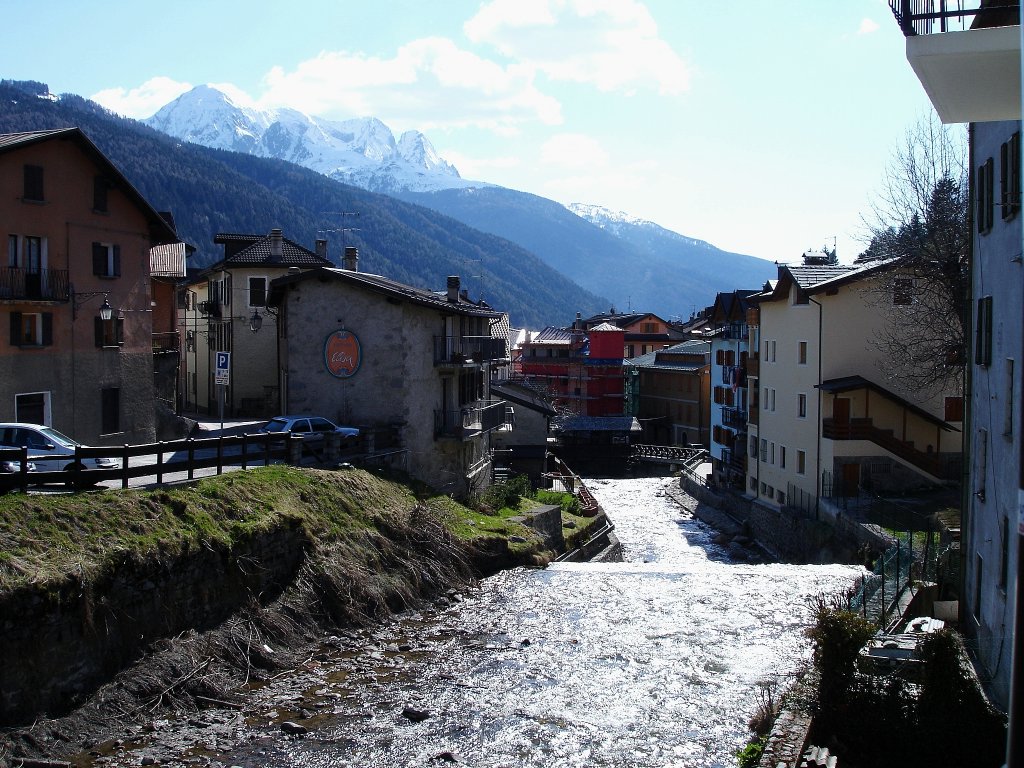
{"x":48,"y":449}
{"x":307,"y":425}
{"x":12,"y":467}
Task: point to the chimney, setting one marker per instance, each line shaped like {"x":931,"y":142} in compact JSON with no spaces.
{"x":321,"y":248}
{"x":453,"y":289}
{"x":276,"y":244}
{"x":351,"y":261}
{"x":578,"y":325}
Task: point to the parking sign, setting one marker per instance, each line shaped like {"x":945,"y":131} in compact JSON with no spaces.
{"x":223,"y":364}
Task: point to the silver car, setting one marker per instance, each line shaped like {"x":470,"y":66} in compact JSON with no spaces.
{"x":48,"y":449}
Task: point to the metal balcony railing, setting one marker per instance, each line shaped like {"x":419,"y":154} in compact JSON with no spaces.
{"x":34,"y":285}
{"x":470,"y":420}
{"x":735,"y":418}
{"x":926,"y":17}
{"x":456,"y":350}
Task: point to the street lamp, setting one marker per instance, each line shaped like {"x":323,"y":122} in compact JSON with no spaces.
{"x":80,"y":298}
{"x":256,"y":321}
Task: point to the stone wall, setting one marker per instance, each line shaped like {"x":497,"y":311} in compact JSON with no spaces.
{"x":69,"y":641}
{"x":787,"y":534}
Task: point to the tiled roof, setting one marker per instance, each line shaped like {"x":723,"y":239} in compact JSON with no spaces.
{"x":662,"y":359}
{"x":606,"y":327}
{"x":600,"y":424}
{"x":258,"y":252}
{"x":553,"y":335}
{"x":379,"y":284}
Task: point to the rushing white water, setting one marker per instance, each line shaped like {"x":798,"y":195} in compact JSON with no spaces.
{"x":654,"y":661}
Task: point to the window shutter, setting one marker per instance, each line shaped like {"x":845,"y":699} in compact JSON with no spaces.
{"x":1004,"y":181}
{"x":117,"y":261}
{"x":99,"y":259}
{"x":15,"y":329}
{"x":47,"y":329}
{"x":119,"y":328}
{"x":34,"y":182}
{"x":97,"y":326}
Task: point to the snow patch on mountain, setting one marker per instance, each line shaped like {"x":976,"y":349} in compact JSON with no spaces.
{"x":617,"y":222}
{"x":361,"y":151}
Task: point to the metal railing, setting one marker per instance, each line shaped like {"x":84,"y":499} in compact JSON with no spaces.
{"x":470,"y":420}
{"x":736,"y":418}
{"x":468,"y":349}
{"x":34,"y":285}
{"x":926,"y":17}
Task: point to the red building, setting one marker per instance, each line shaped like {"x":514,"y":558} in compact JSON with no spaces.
{"x":580,"y":370}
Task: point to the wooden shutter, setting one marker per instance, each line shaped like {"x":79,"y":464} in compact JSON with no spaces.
{"x":34,"y":182}
{"x":119,"y":330}
{"x":47,"y":329}
{"x":99,"y":259}
{"x":97,"y":327}
{"x":117,"y":261}
{"x":15,"y":329}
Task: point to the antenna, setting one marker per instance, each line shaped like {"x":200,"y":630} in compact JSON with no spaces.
{"x":343,"y":229}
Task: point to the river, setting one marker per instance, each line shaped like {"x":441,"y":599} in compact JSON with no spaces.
{"x":653,"y":661}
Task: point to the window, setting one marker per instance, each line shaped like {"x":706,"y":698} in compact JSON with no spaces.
{"x":110,"y":406}
{"x":772,"y":405}
{"x":1008,"y":399}
{"x":257,"y":291}
{"x":106,"y":260}
{"x":31,"y":329}
{"x":771,"y":351}
{"x":764,"y":449}
{"x":985,"y":188}
{"x":753,"y":483}
{"x":903,"y":291}
{"x":801,"y":353}
{"x":12,"y":250}
{"x":753,"y":447}
{"x":33,"y":183}
{"x":782,"y":456}
{"x":764,"y":488}
{"x":801,"y":406}
{"x":801,"y":462}
{"x":983,"y":332}
{"x":99,"y":194}
{"x":780,"y":496}
{"x":33,"y":407}
{"x":108,"y":333}
{"x":1009,"y":177}
{"x":649,"y":328}
{"x":772,"y":454}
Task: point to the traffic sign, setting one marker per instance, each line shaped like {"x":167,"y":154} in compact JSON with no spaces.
{"x":223,"y":367}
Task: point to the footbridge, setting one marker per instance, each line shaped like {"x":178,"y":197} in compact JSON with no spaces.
{"x":668,"y":454}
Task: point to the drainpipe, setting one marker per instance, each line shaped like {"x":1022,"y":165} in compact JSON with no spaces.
{"x":817,"y":444}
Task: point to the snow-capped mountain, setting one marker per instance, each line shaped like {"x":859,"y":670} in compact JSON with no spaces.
{"x":620,"y":224}
{"x":361,"y":151}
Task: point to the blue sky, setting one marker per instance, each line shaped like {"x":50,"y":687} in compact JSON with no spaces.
{"x":763,"y":128}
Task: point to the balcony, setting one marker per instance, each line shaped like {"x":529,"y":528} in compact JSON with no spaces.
{"x":967,"y":57}
{"x":736,"y":331}
{"x":210,"y":308}
{"x":37,"y":285}
{"x":465,"y":350}
{"x":470,"y":420}
{"x":753,"y":365}
{"x":864,"y":429}
{"x":734,"y":418}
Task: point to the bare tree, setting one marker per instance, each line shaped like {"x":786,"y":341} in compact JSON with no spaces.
{"x":919,"y":226}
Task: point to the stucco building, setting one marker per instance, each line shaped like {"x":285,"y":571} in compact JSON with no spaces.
{"x":669,"y":391}
{"x":78,"y":239}
{"x":983,"y":47}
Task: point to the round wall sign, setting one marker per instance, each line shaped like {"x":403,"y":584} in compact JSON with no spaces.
{"x":342,"y":354}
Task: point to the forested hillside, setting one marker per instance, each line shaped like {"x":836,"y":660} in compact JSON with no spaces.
{"x":210,"y":191}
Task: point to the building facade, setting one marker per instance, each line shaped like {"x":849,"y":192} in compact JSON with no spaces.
{"x":367,"y":351}
{"x":78,"y":240}
{"x":983,"y":47}
{"x":670,"y":392}
{"x":224,"y":309}
{"x":825,"y":424}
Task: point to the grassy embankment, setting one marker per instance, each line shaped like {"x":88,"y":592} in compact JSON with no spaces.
{"x":44,"y":539}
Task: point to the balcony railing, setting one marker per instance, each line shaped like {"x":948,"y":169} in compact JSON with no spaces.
{"x":926,"y":17}
{"x":456,"y":350}
{"x":470,"y":420}
{"x":735,"y":418}
{"x":34,"y":285}
{"x":864,"y":429}
{"x":736,"y":331}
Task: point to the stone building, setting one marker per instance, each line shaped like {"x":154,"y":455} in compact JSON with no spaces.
{"x":370,"y":352}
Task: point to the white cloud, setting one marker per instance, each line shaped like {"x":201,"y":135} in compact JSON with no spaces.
{"x":611,"y":44}
{"x":572,"y":151}
{"x":471,"y":167}
{"x":428,"y":83}
{"x":142,"y":101}
{"x":867,"y":26}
